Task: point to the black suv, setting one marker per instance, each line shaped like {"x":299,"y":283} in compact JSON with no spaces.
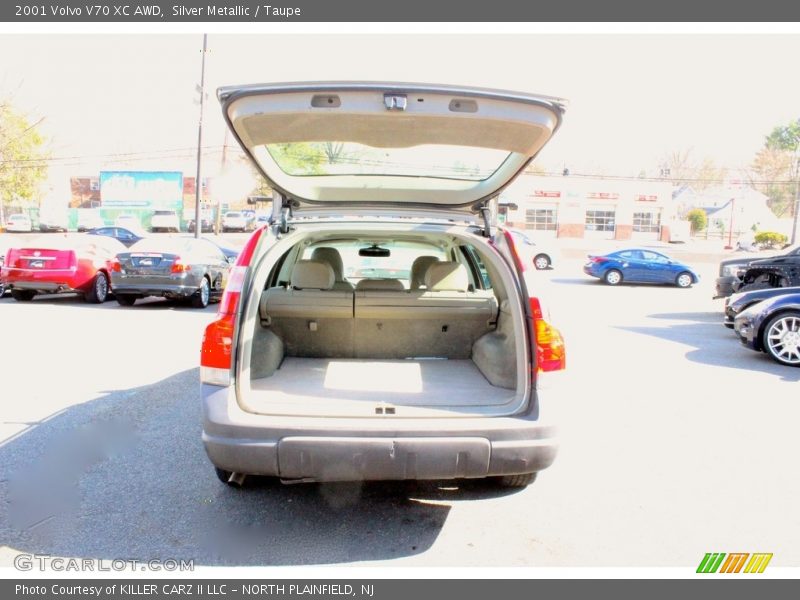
{"x":750,"y":273}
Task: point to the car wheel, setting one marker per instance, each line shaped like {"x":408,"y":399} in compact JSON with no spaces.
{"x":541,"y":262}
{"x":202,"y":295}
{"x":516,"y":481}
{"x":98,"y":293}
{"x":2,"y":289}
{"x":23,"y":295}
{"x":684,"y":280}
{"x":781,"y":338}
{"x":613,"y":277}
{"x":125,"y":299}
{"x":761,"y":285}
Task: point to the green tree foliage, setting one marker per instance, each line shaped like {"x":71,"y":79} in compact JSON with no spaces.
{"x":776,"y":167}
{"x":770,"y":239}
{"x":22,"y":156}
{"x":697,"y":217}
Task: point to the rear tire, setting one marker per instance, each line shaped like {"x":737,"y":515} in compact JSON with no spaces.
{"x":98,"y":292}
{"x":516,"y":481}
{"x":202,"y":296}
{"x":23,"y":295}
{"x":125,"y":299}
{"x":542,"y":262}
{"x":613,"y":277}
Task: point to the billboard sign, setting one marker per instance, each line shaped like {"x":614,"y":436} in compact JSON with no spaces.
{"x":142,"y":189}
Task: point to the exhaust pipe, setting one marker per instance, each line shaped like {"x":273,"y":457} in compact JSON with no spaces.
{"x":237,"y":479}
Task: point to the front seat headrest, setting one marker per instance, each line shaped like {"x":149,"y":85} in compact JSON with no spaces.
{"x":447,"y":276}
{"x":418,"y":269}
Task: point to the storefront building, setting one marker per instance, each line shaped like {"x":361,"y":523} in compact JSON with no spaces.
{"x":578,"y":207}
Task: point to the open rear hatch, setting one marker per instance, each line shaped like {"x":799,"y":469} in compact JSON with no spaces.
{"x":372,"y":148}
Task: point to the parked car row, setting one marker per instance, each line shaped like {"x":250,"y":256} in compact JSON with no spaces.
{"x":111,"y":260}
{"x":162,"y":221}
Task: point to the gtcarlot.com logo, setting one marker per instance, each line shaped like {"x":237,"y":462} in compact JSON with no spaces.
{"x":736,"y":562}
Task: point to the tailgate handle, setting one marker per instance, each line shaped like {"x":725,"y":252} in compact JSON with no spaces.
{"x":395,"y":101}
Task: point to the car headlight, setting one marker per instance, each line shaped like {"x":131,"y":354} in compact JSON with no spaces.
{"x":731,"y":270}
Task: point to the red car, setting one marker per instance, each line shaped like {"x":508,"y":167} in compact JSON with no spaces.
{"x":62,"y":263}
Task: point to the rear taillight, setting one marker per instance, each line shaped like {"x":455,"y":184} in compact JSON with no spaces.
{"x":116,"y":266}
{"x":178,"y":266}
{"x":598,"y":259}
{"x":550,"y":352}
{"x":216,"y":355}
{"x":546,"y":339}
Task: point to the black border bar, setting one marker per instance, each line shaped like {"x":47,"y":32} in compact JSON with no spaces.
{"x":440,"y":11}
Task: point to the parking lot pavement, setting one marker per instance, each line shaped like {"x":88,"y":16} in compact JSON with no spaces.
{"x":676,"y":441}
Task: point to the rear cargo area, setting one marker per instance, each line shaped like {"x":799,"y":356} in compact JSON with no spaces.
{"x":442,"y":344}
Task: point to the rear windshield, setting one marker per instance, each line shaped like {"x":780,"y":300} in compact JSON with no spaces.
{"x":233,"y":214}
{"x":164,"y":213}
{"x":350,"y":158}
{"x":395,"y":266}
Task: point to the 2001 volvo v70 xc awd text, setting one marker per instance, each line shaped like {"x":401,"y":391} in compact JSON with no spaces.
{"x":381,"y":327}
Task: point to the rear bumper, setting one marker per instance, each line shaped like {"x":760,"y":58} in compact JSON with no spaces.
{"x":45,"y":280}
{"x":328,"y":449}
{"x":167,"y":291}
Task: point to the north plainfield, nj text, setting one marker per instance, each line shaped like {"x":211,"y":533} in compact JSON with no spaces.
{"x":263,"y":11}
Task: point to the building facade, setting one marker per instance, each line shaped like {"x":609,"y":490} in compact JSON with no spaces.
{"x":579,"y":207}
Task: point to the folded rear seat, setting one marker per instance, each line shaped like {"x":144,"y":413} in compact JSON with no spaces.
{"x":313,"y":320}
{"x":442,"y":321}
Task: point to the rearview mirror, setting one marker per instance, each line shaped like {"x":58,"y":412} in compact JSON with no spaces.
{"x":375,"y":251}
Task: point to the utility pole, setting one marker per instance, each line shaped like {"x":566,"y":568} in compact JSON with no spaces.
{"x":198,"y":182}
{"x":730,"y":228}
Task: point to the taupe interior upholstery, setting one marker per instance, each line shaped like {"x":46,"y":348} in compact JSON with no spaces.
{"x":312,"y":275}
{"x":447,"y":276}
{"x":443,"y":321}
{"x":394,"y":285}
{"x":334,"y":259}
{"x":418,"y":269}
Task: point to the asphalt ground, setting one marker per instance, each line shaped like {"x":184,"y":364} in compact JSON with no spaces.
{"x":676,"y":441}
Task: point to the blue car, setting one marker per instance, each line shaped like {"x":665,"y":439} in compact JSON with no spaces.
{"x":639,"y":266}
{"x":773,"y":326}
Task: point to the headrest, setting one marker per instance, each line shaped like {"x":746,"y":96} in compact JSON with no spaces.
{"x":391,"y":285}
{"x":333,"y":258}
{"x":447,"y":276}
{"x":312,"y":275}
{"x":418,"y":269}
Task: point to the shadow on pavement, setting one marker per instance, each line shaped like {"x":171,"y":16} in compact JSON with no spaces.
{"x":714,"y":344}
{"x":125,"y":476}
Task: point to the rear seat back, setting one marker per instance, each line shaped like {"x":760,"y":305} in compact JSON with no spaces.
{"x":443,"y":320}
{"x":313,"y":320}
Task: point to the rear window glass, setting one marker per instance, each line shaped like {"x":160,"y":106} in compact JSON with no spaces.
{"x":233,"y":214}
{"x":395,"y":266}
{"x":164,"y":213}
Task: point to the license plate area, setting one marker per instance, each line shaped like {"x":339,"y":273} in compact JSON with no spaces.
{"x":348,"y":459}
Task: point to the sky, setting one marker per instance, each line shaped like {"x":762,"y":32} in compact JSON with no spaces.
{"x":633,"y":98}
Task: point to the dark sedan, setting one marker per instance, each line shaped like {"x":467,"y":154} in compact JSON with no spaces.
{"x":639,"y":266}
{"x":121,"y":234}
{"x":206,"y":226}
{"x":179,"y":268}
{"x":743,"y":300}
{"x":773,"y":326}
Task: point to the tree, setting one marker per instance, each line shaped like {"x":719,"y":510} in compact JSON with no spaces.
{"x":23,"y":157}
{"x":697,"y":217}
{"x":777,"y":168}
{"x":681,"y":168}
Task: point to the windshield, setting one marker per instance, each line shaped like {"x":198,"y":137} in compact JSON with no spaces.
{"x":350,"y":158}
